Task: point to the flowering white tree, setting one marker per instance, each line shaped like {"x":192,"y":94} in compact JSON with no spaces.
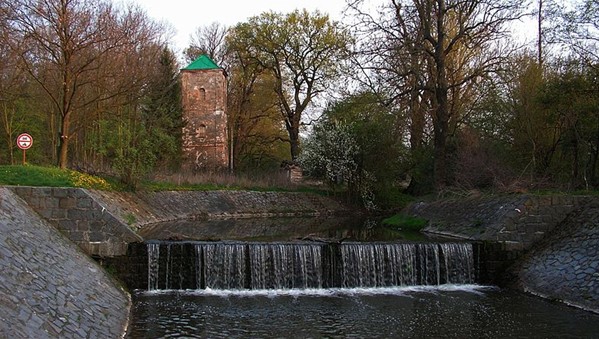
{"x":332,"y":152}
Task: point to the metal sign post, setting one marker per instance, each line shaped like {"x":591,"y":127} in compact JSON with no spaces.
{"x":24,"y":142}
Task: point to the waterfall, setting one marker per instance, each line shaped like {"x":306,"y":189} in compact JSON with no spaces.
{"x":223,"y":265}
{"x":459,"y":263}
{"x":153,"y":265}
{"x":285,"y":266}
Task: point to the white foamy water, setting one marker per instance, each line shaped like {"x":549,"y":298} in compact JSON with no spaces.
{"x":326,"y":292}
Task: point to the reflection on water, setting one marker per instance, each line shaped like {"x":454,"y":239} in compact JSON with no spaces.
{"x":413,"y":312}
{"x":276,"y":229}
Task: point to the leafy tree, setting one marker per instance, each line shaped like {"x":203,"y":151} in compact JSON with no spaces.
{"x":302,"y":51}
{"x":356,"y":144}
{"x":571,"y":100}
{"x":332,"y":153}
{"x":140,"y":137}
{"x":129,"y":145}
{"x":162,"y":112}
{"x":254,"y":120}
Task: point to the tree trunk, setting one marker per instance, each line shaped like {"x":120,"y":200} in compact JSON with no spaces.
{"x":441,"y":119}
{"x":294,"y":142}
{"x":440,"y":174}
{"x":575,"y":180}
{"x":540,"y":34}
{"x":64,"y":142}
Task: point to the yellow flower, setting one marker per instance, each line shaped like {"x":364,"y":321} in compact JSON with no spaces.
{"x":88,"y":181}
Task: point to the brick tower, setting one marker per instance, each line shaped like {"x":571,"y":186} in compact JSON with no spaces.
{"x":204,"y":96}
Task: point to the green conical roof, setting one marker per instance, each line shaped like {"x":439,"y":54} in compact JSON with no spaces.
{"x":201,"y":63}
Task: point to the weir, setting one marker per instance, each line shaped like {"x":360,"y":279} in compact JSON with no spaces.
{"x":258,"y":266}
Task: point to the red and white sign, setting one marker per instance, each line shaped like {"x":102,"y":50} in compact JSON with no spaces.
{"x":24,"y":141}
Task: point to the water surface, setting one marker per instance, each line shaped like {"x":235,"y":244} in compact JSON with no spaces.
{"x":462,"y":311}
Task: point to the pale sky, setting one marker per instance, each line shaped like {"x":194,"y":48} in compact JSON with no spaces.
{"x":186,"y":16}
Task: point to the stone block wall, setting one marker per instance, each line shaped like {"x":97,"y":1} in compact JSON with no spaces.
{"x":76,"y":214}
{"x":104,"y":223}
{"x":146,"y":208}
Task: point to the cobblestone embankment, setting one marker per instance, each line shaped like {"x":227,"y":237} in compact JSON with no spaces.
{"x":144,"y":208}
{"x":516,"y":221}
{"x":565,"y":265}
{"x":555,"y":240}
{"x":48,"y":287}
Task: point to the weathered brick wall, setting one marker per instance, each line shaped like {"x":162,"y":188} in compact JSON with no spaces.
{"x":82,"y":219}
{"x":204,"y":101}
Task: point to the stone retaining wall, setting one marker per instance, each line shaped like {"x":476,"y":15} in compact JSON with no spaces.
{"x":565,"y":265}
{"x":550,"y":242}
{"x":79,"y":216}
{"x":48,"y":287}
{"x":104,"y":223}
{"x":144,"y":208}
{"x":516,"y":221}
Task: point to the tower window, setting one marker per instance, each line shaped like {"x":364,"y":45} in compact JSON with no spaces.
{"x":201,"y":132}
{"x":202,"y":94}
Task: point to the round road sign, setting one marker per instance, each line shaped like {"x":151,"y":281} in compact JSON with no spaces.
{"x":24,"y":141}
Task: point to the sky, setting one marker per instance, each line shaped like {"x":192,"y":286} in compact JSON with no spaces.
{"x":186,"y":16}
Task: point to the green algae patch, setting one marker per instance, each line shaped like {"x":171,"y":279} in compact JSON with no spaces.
{"x":405,"y":222}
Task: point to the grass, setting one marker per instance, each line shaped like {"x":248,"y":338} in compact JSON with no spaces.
{"x":405,"y":222}
{"x":29,"y":175}
{"x":272,"y":182}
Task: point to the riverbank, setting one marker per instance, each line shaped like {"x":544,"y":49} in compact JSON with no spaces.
{"x":551,"y":242}
{"x":49,"y":288}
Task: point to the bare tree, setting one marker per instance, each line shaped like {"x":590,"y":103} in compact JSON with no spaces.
{"x":11,"y":85}
{"x":209,"y":40}
{"x":70,"y":45}
{"x":450,"y":45}
{"x":580,"y":30}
